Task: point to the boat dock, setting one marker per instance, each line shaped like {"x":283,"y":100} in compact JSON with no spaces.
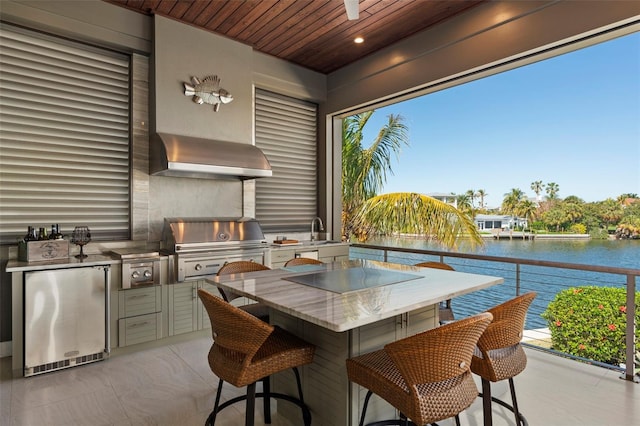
{"x":520,"y":235}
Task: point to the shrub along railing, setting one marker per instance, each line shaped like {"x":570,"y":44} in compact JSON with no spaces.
{"x":547,"y":278}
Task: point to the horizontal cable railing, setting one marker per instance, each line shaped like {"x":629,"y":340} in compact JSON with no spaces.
{"x":547,"y":278}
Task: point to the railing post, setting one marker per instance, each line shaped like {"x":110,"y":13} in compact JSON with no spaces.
{"x":630,"y":332}
{"x":517,"y":279}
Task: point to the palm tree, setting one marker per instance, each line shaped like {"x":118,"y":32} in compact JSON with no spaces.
{"x":472,"y":196}
{"x":552,"y":190}
{"x":464,"y":203}
{"x":526,"y":209}
{"x":537,"y":187}
{"x":481,"y":194}
{"x":364,"y":172}
{"x":411,"y":213}
{"x":511,"y":200}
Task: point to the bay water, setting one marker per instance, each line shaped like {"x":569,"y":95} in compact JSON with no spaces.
{"x":547,"y":282}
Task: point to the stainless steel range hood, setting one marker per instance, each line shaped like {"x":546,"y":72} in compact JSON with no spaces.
{"x":185,"y":156}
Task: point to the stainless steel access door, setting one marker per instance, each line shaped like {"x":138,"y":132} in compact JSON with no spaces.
{"x":65,"y":318}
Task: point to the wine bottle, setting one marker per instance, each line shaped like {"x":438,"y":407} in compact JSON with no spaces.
{"x":42,"y":235}
{"x":31,"y":234}
{"x":55,"y":232}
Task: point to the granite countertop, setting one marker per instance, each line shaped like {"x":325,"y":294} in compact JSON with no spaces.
{"x":70,"y":262}
{"x":308,"y":244}
{"x":286,"y":290}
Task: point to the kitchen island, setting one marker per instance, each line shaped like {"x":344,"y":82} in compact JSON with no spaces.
{"x":348,"y":308}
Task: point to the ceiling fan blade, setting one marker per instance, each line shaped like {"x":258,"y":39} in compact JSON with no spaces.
{"x":353,"y":9}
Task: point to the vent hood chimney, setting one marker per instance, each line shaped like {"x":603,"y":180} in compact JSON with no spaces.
{"x":185,"y":156}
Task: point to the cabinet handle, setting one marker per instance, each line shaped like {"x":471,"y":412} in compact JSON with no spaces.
{"x":138,"y":296}
{"x":138,"y":324}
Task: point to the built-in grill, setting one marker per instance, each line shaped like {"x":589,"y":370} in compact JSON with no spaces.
{"x":200,"y":246}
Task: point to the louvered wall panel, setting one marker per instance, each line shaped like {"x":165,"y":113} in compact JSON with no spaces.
{"x":64,"y":136}
{"x":286,"y":131}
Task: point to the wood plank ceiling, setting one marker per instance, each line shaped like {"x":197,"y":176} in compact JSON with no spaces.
{"x":315,"y":34}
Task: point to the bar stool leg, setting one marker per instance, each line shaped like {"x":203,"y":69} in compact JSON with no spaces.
{"x":516,"y":412}
{"x":486,"y":403}
{"x":212,"y":417}
{"x":364,"y":408}
{"x":266,"y":399}
{"x":251,"y":405}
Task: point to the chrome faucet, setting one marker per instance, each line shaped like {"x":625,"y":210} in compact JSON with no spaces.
{"x":313,"y":222}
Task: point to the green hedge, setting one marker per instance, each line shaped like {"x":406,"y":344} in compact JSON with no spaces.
{"x":590,"y":322}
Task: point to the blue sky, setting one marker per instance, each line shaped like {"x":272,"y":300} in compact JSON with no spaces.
{"x":573,"y":120}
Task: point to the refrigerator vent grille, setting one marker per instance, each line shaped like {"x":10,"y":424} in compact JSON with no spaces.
{"x":58,"y":365}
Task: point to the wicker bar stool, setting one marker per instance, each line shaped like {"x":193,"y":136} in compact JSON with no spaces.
{"x":427,"y":376}
{"x":246,"y":350}
{"x":256,"y":309}
{"x":499,"y":354}
{"x":445,"y":311}
{"x":302,"y":261}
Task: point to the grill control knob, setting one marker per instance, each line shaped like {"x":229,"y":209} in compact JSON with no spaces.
{"x":147,"y":274}
{"x":198,"y":267}
{"x":135,"y":275}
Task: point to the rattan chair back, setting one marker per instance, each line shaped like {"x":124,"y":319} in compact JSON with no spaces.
{"x":499,"y":354}
{"x":237,"y":337}
{"x":445,"y":312}
{"x":246,"y":350}
{"x":507,"y":326}
{"x":303,"y":261}
{"x":238,"y":267}
{"x":436,"y":265}
{"x":427,"y":376}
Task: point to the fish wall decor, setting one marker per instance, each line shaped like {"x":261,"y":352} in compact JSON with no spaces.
{"x":207,"y":91}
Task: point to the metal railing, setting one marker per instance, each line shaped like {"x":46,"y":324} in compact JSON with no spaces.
{"x":547,"y":278}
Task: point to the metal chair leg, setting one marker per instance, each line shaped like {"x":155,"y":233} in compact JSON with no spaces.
{"x":487,"y":400}
{"x":486,"y":403}
{"x":249,"y":419}
{"x":211,"y":420}
{"x":364,"y":408}
{"x":306,"y":415}
{"x":516,"y":412}
{"x":266,"y":400}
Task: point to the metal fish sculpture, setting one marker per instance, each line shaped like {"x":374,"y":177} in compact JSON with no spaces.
{"x":207,"y":91}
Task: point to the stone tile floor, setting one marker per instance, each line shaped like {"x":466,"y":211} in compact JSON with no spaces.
{"x":172,"y":385}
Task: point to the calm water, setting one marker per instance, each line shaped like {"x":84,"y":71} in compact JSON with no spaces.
{"x":546,"y":281}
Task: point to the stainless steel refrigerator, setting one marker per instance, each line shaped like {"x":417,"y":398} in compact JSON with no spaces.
{"x":66,"y":318}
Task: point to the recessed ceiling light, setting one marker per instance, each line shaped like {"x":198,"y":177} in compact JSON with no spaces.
{"x":358,"y":40}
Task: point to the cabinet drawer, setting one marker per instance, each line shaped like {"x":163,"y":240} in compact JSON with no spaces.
{"x":139,"y":301}
{"x":143,"y":328}
{"x":280,"y":255}
{"x":337,"y":250}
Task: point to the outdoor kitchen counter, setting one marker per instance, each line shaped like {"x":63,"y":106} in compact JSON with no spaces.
{"x":379,"y":303}
{"x":70,"y":262}
{"x":308,"y":244}
{"x":348,"y":310}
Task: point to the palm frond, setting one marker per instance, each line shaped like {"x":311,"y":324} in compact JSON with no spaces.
{"x":412,"y":213}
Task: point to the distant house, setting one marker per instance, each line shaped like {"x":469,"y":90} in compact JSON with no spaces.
{"x":491,"y":221}
{"x":445,"y":198}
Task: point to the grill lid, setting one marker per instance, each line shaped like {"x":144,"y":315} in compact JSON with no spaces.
{"x":182,"y":234}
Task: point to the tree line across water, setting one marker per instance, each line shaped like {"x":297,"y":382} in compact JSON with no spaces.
{"x":365,"y":212}
{"x":620,"y":216}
